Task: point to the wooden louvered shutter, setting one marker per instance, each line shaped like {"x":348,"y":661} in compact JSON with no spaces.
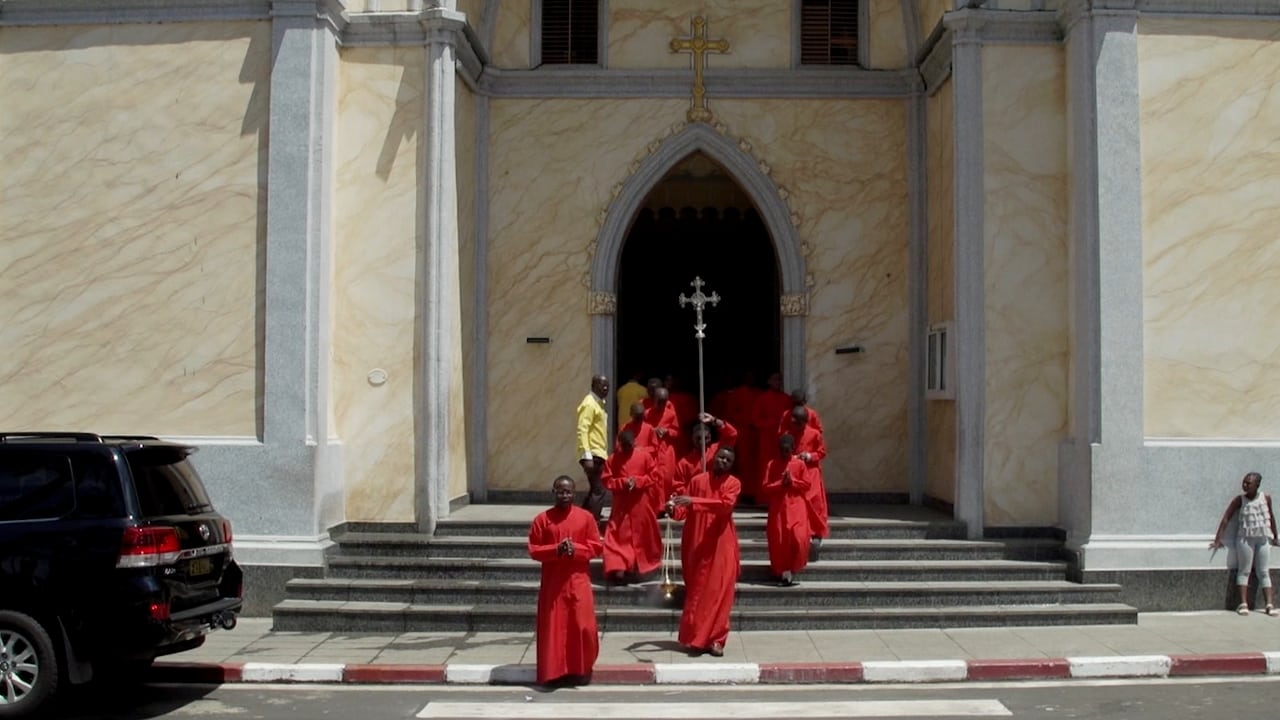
{"x":829,"y":32}
{"x":570,"y":31}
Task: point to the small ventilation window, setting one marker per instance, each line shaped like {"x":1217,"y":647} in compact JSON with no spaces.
{"x":570,"y":32}
{"x":829,"y":32}
{"x":939,"y":372}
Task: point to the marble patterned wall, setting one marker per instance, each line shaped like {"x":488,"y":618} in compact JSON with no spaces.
{"x":887,"y":36}
{"x":552,"y":165}
{"x":133,"y":218}
{"x":376,"y":240}
{"x":1210,"y":108}
{"x":1025,"y":264}
{"x":940,"y":414}
{"x":843,"y":164}
{"x":931,"y":12}
{"x":511,"y":35}
{"x":758,"y":31}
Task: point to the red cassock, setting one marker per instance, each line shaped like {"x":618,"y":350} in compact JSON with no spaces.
{"x":692,"y":463}
{"x":809,"y":440}
{"x":786,"y":483}
{"x":643,"y":431}
{"x":739,"y":406}
{"x":631,"y":538}
{"x":708,"y":559}
{"x":566,"y":635}
{"x":668,"y":441}
{"x":769,"y":406}
{"x":686,"y":406}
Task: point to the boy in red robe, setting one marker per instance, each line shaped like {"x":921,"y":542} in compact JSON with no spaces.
{"x":786,"y":483}
{"x":698,"y":460}
{"x":771,"y":404}
{"x":798,"y":397}
{"x":811,"y":449}
{"x":708,"y":555}
{"x":632,"y":543}
{"x":564,"y":539}
{"x":661,"y":414}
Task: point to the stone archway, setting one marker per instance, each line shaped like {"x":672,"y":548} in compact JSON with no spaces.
{"x":773,"y":210}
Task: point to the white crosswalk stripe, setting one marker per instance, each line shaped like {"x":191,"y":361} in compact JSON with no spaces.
{"x":721,"y":711}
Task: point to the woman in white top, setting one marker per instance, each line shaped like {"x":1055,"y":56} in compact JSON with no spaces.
{"x":1254,"y":539}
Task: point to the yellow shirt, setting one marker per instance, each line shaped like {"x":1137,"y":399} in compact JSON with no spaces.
{"x":629,"y":394}
{"x":593,"y":425}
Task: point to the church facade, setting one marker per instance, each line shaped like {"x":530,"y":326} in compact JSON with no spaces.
{"x":368,"y":254}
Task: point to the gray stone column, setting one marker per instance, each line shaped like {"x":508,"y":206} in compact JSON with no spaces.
{"x":295,"y":432}
{"x":918,"y":294}
{"x":970,"y":278}
{"x":1101,"y":463}
{"x":441,"y":427}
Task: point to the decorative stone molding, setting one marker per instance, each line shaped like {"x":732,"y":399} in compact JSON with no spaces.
{"x":565,"y":82}
{"x":600,"y":302}
{"x":794,"y":305}
{"x":647,"y":156}
{"x":991,"y":27}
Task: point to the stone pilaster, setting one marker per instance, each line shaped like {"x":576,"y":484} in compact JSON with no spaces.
{"x":970,"y":279}
{"x":441,"y":430}
{"x":1101,"y":463}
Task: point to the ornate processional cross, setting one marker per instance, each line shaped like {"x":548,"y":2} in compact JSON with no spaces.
{"x":699,"y":300}
{"x":699,"y":46}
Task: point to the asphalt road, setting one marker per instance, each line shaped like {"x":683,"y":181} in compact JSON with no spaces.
{"x":1112,"y":699}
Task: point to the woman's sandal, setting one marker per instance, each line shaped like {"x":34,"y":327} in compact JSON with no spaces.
{"x":1272,"y":611}
{"x":1242,"y":609}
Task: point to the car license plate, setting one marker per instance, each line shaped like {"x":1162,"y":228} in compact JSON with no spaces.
{"x":200,"y":566}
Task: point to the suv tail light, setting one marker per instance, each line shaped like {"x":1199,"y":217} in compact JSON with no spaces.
{"x":148,"y":547}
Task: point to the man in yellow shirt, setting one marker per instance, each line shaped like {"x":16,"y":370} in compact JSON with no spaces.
{"x":631,"y":393}
{"x":593,"y":427}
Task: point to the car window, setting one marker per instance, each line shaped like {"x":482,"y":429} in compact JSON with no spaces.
{"x":166,"y":483}
{"x":35,"y":486}
{"x":98,"y":493}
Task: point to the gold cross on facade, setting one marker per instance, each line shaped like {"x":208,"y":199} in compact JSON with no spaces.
{"x":699,"y":45}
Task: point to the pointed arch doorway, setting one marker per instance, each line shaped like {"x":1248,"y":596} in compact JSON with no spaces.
{"x":626,"y":208}
{"x":698,"y":222}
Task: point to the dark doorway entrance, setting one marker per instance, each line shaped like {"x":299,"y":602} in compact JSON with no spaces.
{"x":698,"y":223}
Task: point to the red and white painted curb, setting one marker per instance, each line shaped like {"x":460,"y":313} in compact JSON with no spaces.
{"x":729,"y":673}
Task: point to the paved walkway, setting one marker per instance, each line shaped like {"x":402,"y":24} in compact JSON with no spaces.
{"x":1160,"y":644}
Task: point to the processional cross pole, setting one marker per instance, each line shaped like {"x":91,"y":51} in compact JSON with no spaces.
{"x":699,"y":300}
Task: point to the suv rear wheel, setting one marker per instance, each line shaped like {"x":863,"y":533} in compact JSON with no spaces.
{"x":28,"y":666}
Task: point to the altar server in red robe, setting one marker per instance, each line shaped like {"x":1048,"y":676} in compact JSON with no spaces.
{"x":632,"y":543}
{"x":661,"y":414}
{"x":739,"y":405}
{"x":811,"y":449}
{"x":698,"y":460}
{"x":564,"y":538}
{"x":639,"y":427}
{"x":786,"y":483}
{"x":799,"y":397}
{"x":708,"y":555}
{"x":771,"y":404}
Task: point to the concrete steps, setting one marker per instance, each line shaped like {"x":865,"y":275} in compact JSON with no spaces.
{"x":391,"y":617}
{"x":883,"y":567}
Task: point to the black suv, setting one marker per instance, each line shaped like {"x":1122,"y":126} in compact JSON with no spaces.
{"x":110,"y":555}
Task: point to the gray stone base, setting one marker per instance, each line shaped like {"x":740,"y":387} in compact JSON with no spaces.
{"x":264,"y":585}
{"x":1177,"y":590}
